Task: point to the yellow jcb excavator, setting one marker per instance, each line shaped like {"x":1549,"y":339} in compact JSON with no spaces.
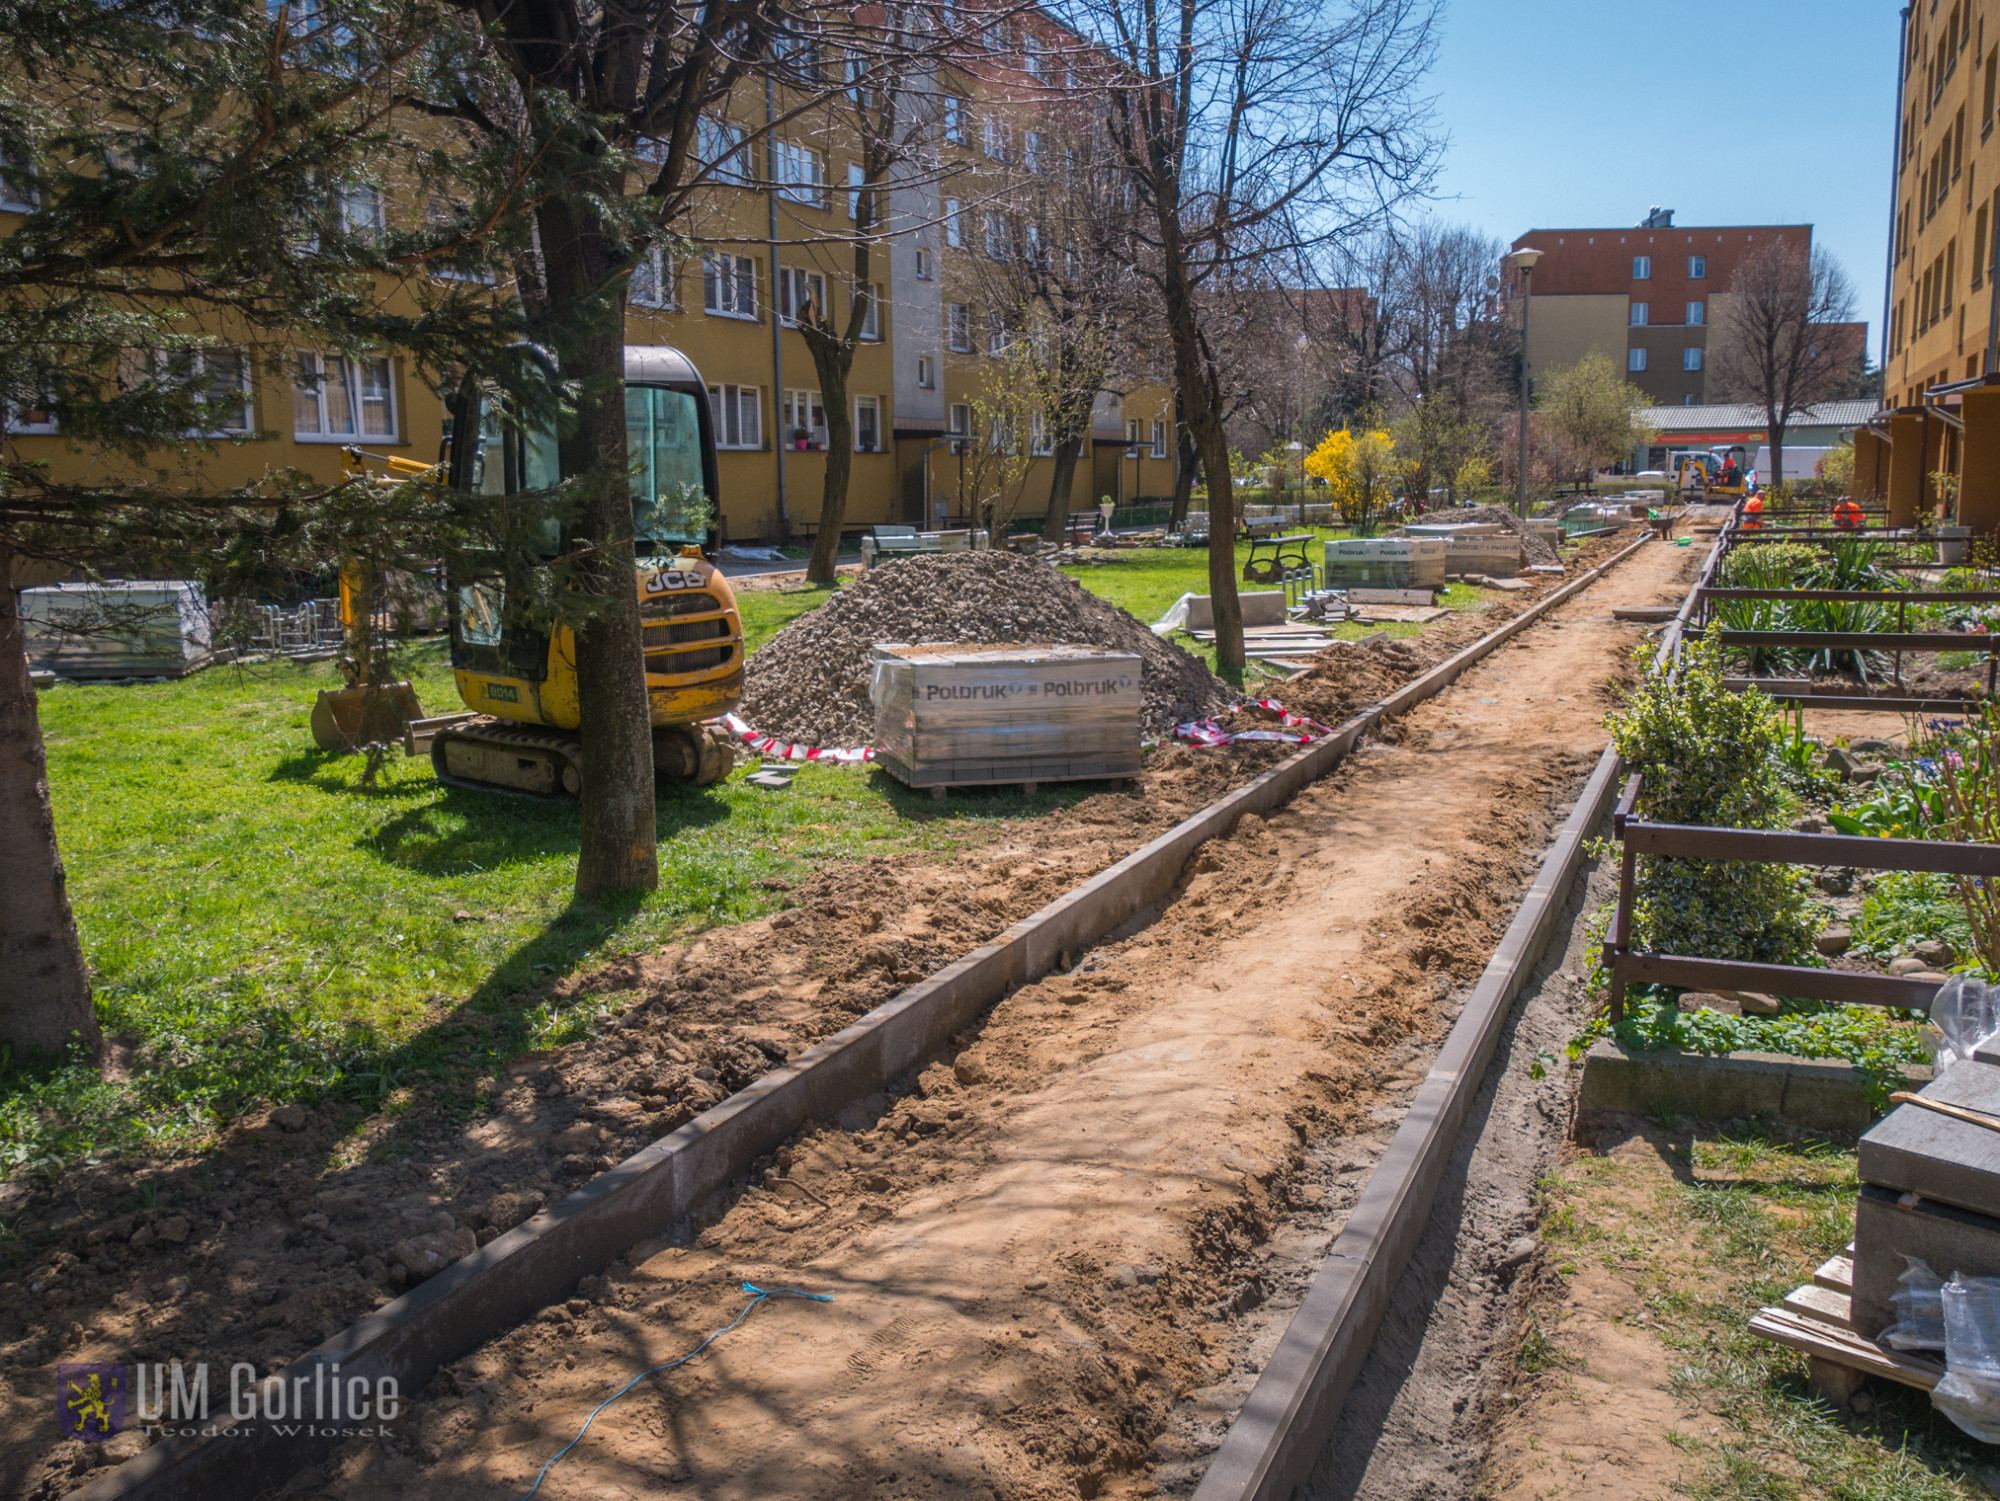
{"x":519,"y":680}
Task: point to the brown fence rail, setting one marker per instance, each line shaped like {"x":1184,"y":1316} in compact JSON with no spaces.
{"x":1773,"y":847}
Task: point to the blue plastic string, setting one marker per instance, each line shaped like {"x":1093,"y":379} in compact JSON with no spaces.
{"x":748,"y":1287}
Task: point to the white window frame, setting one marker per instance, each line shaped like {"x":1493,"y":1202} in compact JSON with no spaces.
{"x":871,"y":404}
{"x":961,"y":420}
{"x":996,"y":332}
{"x":792,"y":281}
{"x":1642,"y":314}
{"x":1039,"y":446}
{"x":724,"y":280}
{"x":857,"y":179}
{"x":954,"y":225}
{"x":28,"y":422}
{"x":349,"y":373}
{"x":799,"y":172}
{"x":812,"y":407}
{"x":1031,"y":56}
{"x":652,"y":284}
{"x":1159,"y":440}
{"x":1635,"y":361}
{"x":1642,"y":268}
{"x":996,"y":236}
{"x":360,"y":208}
{"x":954,"y":119}
{"x":1697,"y":314}
{"x":721,"y":148}
{"x":993,"y":136}
{"x":1032,"y":247}
{"x":1031,"y":151}
{"x":18,"y":193}
{"x":160,"y":368}
{"x":741,"y":408}
{"x":926,"y":373}
{"x":923,"y":263}
{"x":871,"y":321}
{"x":958,"y":327}
{"x":1697,"y":268}
{"x":1691,"y":358}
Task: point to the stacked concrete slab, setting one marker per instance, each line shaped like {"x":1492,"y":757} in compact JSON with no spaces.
{"x":1930,"y":1188}
{"x":1386,"y":562}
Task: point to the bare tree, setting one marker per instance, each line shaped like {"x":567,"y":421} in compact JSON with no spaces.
{"x":1776,"y":345}
{"x":1249,"y":131}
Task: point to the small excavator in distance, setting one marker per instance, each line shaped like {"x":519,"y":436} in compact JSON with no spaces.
{"x":519,"y":679}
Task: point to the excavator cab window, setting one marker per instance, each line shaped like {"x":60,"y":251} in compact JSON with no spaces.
{"x":505,"y":457}
{"x":671,"y":505}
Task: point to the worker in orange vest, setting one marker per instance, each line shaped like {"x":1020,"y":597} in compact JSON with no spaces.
{"x":1753,"y":513}
{"x":1847,"y":515}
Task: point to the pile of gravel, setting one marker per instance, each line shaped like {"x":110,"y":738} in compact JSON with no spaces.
{"x":1536,"y":549}
{"x":809,"y":683}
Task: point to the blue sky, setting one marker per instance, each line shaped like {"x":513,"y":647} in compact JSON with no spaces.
{"x":1575,"y":113}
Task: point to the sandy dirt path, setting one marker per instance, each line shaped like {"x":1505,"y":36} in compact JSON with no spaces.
{"x":1036,"y":1255}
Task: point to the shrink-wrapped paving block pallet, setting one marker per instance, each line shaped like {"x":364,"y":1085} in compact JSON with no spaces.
{"x":955,"y":715}
{"x":1385,"y":562}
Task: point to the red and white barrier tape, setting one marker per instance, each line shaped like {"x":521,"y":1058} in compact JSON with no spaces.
{"x":1206,"y":732}
{"x":785,"y":750}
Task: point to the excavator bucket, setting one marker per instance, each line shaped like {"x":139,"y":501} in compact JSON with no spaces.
{"x":354,"y":717}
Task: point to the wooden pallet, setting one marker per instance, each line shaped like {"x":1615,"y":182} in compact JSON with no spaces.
{"x":1816,"y":1320}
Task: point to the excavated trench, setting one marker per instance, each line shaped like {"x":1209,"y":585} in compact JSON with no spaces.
{"x":1056,"y":1260}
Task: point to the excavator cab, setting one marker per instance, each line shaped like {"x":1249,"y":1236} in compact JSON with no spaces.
{"x":517,"y":677}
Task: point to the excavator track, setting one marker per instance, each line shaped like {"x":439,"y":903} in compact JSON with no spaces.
{"x":495,"y":755}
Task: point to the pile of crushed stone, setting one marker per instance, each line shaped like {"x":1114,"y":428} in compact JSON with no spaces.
{"x":1536,"y":549}
{"x":809,"y":683}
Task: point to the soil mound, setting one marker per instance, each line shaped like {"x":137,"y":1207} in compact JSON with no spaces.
{"x":809,"y":683}
{"x":1536,"y":548}
{"x":1346,"y":679}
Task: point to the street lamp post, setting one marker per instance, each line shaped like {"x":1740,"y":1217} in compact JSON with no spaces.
{"x":1524,"y":261}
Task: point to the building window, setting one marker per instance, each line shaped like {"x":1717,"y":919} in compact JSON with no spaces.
{"x":1635,"y":360}
{"x":796,"y":288}
{"x":871,"y":320}
{"x":1691,"y":359}
{"x":360,"y":210}
{"x":996,"y":331}
{"x":729,"y":285}
{"x":1696,"y":314}
{"x":653,"y":279}
{"x":867,"y":424}
{"x":738,"y":413}
{"x":17,"y":186}
{"x":857,"y":179}
{"x":219,"y":378}
{"x":1033,"y":246}
{"x":1641,"y":314}
{"x":958,"y":328}
{"x":926,"y":373}
{"x":335,"y":398}
{"x":961,"y":418}
{"x":994,"y":140}
{"x":1032,"y":57}
{"x":805,"y":418}
{"x":1039,"y":446}
{"x":1697,"y":267}
{"x":36,"y":419}
{"x":1642,"y":267}
{"x":719,"y":147}
{"x":1159,"y":440}
{"x":954,"y":226}
{"x":923,"y":264}
{"x":996,"y":237}
{"x":799,"y":172}
{"x":1031,"y":151}
{"x":954,"y":120}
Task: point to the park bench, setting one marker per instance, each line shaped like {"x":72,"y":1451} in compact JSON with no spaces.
{"x":1274,"y":558}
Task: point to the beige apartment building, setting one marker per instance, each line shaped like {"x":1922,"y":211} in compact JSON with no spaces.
{"x":770,"y":231}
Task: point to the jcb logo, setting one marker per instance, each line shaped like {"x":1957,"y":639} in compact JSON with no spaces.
{"x":671,"y":578}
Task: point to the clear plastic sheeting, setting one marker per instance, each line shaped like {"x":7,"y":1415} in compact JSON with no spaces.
{"x":1969,"y":1394}
{"x":1966,"y":1013}
{"x":1919,"y":1304}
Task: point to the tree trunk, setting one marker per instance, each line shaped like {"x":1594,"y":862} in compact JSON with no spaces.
{"x":619,"y":832}
{"x":1777,"y":434}
{"x":1184,"y":469}
{"x":45,"y":1003}
{"x":833,"y":359}
{"x":1056,"y":525}
{"x":1204,"y":417}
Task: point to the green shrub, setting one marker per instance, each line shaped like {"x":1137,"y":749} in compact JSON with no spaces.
{"x":1710,"y":756}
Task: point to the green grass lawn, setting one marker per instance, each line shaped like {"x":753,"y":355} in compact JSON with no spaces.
{"x":264,"y":925}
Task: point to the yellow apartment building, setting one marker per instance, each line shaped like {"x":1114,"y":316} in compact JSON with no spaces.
{"x":768,"y":232}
